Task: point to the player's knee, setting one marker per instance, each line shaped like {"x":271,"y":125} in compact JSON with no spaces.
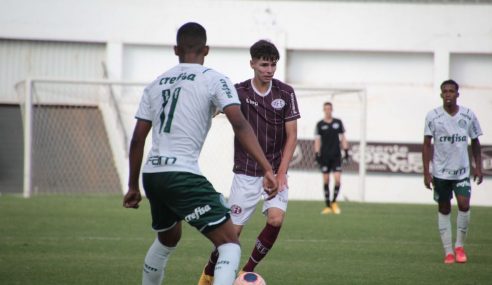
{"x":171,"y":237}
{"x":464,"y":208}
{"x":275,"y":220}
{"x":444,"y":209}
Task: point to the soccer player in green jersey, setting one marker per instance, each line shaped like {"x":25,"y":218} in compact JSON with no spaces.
{"x":451,"y":125}
{"x":178,"y":106}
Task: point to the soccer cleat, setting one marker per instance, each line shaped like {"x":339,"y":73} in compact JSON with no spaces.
{"x":449,"y":258}
{"x":205,"y":279}
{"x":326,"y":211}
{"x":335,"y":208}
{"x":460,"y":255}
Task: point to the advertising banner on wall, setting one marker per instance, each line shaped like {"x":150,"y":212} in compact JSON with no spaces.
{"x":400,"y":158}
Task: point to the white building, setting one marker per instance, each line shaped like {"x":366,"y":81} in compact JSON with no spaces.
{"x":397,"y":52}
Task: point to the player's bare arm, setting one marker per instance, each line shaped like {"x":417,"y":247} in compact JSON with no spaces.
{"x":287,"y":153}
{"x":137,"y":144}
{"x":477,"y":156}
{"x":247,"y":138}
{"x":317,"y":148}
{"x":426,"y":159}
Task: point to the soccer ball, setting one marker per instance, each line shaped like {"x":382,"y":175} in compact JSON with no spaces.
{"x":249,"y":278}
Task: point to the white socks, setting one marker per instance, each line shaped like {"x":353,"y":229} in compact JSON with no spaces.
{"x":462,"y":227}
{"x":444,"y":222}
{"x":462,"y":222}
{"x":226,"y":266}
{"x":155,"y":262}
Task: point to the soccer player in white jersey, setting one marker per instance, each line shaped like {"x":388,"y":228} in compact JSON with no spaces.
{"x":270,"y":106}
{"x":178,"y":107}
{"x":451,"y":126}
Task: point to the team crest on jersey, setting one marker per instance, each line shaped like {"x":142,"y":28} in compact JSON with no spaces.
{"x":278,"y":104}
{"x":336,"y":125}
{"x":236,"y":210}
{"x":462,"y":123}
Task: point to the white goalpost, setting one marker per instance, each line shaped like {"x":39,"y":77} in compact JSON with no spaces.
{"x":350,"y":105}
{"x":76,"y":135}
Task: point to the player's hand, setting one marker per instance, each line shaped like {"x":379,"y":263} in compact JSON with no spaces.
{"x":282,"y":182}
{"x":477,"y":176}
{"x":428,"y":181}
{"x":270,"y":185}
{"x":317,"y":158}
{"x":132,"y":198}
{"x":346,"y":156}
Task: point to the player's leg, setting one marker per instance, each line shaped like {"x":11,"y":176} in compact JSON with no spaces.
{"x":158,"y":255}
{"x":242,"y":201}
{"x":325,"y":169}
{"x":462,"y":190}
{"x":337,"y":176}
{"x":275,"y":211}
{"x":226,"y":242}
{"x":443,"y":195}
{"x":166,"y":223}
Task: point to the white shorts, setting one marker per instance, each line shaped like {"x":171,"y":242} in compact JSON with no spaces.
{"x":246,"y":192}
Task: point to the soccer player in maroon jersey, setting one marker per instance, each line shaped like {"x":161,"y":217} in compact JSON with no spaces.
{"x":270,"y":106}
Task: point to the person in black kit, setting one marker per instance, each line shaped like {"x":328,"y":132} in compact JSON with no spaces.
{"x":330,"y":135}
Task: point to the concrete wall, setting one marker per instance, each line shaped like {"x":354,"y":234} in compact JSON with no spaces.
{"x":399,"y":53}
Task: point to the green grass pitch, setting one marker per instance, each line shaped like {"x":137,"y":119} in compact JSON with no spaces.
{"x":93,"y":240}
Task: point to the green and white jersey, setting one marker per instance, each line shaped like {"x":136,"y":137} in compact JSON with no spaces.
{"x":450,"y":160}
{"x":180,"y":104}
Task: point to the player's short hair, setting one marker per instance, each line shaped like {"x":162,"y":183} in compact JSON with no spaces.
{"x":452,"y":82}
{"x":191,"y":37}
{"x":327,"y":104}
{"x":265,"y":50}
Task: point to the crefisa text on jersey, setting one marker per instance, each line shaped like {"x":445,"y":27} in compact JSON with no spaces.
{"x":452,"y":139}
{"x":182,"y":76}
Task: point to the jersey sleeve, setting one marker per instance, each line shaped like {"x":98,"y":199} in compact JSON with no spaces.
{"x":317,"y":131}
{"x":474,"y":131}
{"x":429,"y":126}
{"x":292,"y":110}
{"x":144,"y":109}
{"x":342,"y":127}
{"x":223,"y":92}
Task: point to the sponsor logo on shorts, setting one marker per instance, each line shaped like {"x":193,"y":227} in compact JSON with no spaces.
{"x":236,"y":210}
{"x":463,"y":184}
{"x":199,"y":211}
{"x":278,"y":104}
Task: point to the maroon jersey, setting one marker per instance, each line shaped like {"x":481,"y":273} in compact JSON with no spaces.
{"x":267,"y":115}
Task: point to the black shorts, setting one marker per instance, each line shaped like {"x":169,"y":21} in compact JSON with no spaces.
{"x":330,"y":164}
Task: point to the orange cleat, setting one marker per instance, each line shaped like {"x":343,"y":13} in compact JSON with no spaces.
{"x":326,"y":211}
{"x":205,"y":279}
{"x":449,"y":258}
{"x":460,"y":255}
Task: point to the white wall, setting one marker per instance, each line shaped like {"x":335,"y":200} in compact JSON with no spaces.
{"x":399,"y":53}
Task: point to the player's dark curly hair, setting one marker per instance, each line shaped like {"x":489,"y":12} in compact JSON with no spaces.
{"x":452,"y":82}
{"x":191,"y":37}
{"x":264,"y":49}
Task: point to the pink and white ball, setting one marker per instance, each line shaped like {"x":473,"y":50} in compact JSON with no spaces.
{"x":249,"y":278}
